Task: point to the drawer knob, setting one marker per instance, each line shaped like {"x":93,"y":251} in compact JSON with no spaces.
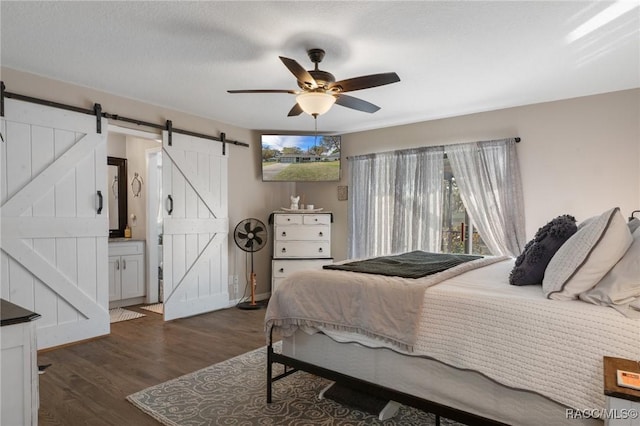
{"x":284,"y":250}
{"x":320,"y":234}
{"x":284,"y":234}
{"x":316,"y":219}
{"x":281,"y":270}
{"x":288,"y":219}
{"x":320,"y":249}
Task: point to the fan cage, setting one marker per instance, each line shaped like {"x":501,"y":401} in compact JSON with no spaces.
{"x":250,"y":235}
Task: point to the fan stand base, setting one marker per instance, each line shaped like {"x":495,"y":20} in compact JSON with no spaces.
{"x":250,"y":306}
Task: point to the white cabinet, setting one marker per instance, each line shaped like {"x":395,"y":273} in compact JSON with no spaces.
{"x":19,"y":371}
{"x":126,"y":273}
{"x":300,"y":241}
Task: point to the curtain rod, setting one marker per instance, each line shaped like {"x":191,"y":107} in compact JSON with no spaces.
{"x":516,"y":140}
{"x":97,"y":111}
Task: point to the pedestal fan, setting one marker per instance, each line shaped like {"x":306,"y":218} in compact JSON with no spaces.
{"x":250,"y":235}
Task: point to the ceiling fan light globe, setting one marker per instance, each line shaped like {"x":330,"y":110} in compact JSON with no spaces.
{"x":315,"y":103}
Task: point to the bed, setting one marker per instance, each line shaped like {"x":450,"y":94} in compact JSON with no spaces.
{"x":481,"y":352}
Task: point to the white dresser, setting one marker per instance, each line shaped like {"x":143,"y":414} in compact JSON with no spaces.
{"x":300,"y":241}
{"x":126,"y":273}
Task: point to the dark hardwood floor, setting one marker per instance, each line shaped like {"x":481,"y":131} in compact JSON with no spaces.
{"x":87,"y":382}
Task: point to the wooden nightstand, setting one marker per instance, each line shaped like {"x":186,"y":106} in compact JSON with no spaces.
{"x":622,"y":402}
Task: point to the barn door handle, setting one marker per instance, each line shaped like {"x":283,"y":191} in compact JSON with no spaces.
{"x":170,"y":198}
{"x":99,"y":210}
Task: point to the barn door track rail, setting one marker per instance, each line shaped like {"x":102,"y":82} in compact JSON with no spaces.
{"x":97,"y":111}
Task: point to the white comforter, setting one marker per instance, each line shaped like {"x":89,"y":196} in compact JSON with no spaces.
{"x":516,"y":336}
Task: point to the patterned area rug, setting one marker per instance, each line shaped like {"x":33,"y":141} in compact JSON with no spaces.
{"x":156,"y":308}
{"x":234,"y":392}
{"x":119,"y":314}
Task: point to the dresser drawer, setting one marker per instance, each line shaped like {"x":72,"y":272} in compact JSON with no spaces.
{"x":302,"y":232}
{"x":313,"y":219}
{"x":123,"y":248}
{"x":295,"y":249}
{"x":283,"y":268}
{"x":288,"y":219}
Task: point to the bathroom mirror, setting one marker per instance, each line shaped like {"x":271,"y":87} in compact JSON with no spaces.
{"x":117,"y":189}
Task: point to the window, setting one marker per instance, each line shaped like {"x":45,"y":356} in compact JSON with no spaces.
{"x":458,"y":233}
{"x":411,"y":200}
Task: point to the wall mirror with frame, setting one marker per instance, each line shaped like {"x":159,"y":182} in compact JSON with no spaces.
{"x":117,"y":189}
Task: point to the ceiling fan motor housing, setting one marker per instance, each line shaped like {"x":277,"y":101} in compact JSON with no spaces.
{"x":322,"y":78}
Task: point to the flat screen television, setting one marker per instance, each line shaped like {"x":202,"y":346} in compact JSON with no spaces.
{"x":300,"y":158}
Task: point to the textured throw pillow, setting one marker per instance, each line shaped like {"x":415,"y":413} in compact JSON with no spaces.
{"x":621,"y":285}
{"x":587,"y":256}
{"x":532,"y":262}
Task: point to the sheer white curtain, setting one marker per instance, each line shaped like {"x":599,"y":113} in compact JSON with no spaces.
{"x":488,"y":176}
{"x":395,"y":202}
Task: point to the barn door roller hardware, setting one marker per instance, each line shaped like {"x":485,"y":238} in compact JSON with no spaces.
{"x":97,"y":111}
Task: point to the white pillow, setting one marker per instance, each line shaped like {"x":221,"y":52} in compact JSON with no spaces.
{"x":587,"y":256}
{"x":621,"y":285}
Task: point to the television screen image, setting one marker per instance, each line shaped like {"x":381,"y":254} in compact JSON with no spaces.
{"x":300,"y":158}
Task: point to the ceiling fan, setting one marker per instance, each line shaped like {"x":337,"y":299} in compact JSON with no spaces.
{"x":319,"y":89}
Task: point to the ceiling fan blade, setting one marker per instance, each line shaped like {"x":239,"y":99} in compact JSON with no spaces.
{"x":356,"y":103}
{"x":241,"y":235}
{"x":257,"y":229}
{"x":247,"y":227}
{"x":366,"y":81}
{"x":258,"y":240}
{"x":293,"y":92}
{"x":296,"y":110}
{"x":300,"y":73}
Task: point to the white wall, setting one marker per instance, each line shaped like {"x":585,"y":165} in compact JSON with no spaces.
{"x":248,"y":195}
{"x":137,"y":163}
{"x":578,"y":156}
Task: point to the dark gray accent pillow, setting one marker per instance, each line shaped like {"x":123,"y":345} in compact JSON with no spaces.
{"x":533,"y":261}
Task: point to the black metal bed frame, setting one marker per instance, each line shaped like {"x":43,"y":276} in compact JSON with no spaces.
{"x":291,"y":365}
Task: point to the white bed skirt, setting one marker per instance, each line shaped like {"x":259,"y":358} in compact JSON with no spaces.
{"x":431,"y":380}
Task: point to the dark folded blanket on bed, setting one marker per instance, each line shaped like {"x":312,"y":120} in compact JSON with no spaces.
{"x":415,"y":264}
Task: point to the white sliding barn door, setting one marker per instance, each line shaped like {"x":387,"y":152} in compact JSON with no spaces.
{"x":53,"y":257}
{"x":195,"y":226}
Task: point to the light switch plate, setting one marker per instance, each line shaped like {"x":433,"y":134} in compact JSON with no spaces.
{"x":343,"y":193}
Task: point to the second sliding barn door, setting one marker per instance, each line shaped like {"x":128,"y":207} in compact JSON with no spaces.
{"x":195,"y":222}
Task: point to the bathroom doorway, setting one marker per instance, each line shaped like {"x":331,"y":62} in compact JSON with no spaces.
{"x":142,"y":153}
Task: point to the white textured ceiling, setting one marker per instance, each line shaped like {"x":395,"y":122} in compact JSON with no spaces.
{"x":453,"y":57}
